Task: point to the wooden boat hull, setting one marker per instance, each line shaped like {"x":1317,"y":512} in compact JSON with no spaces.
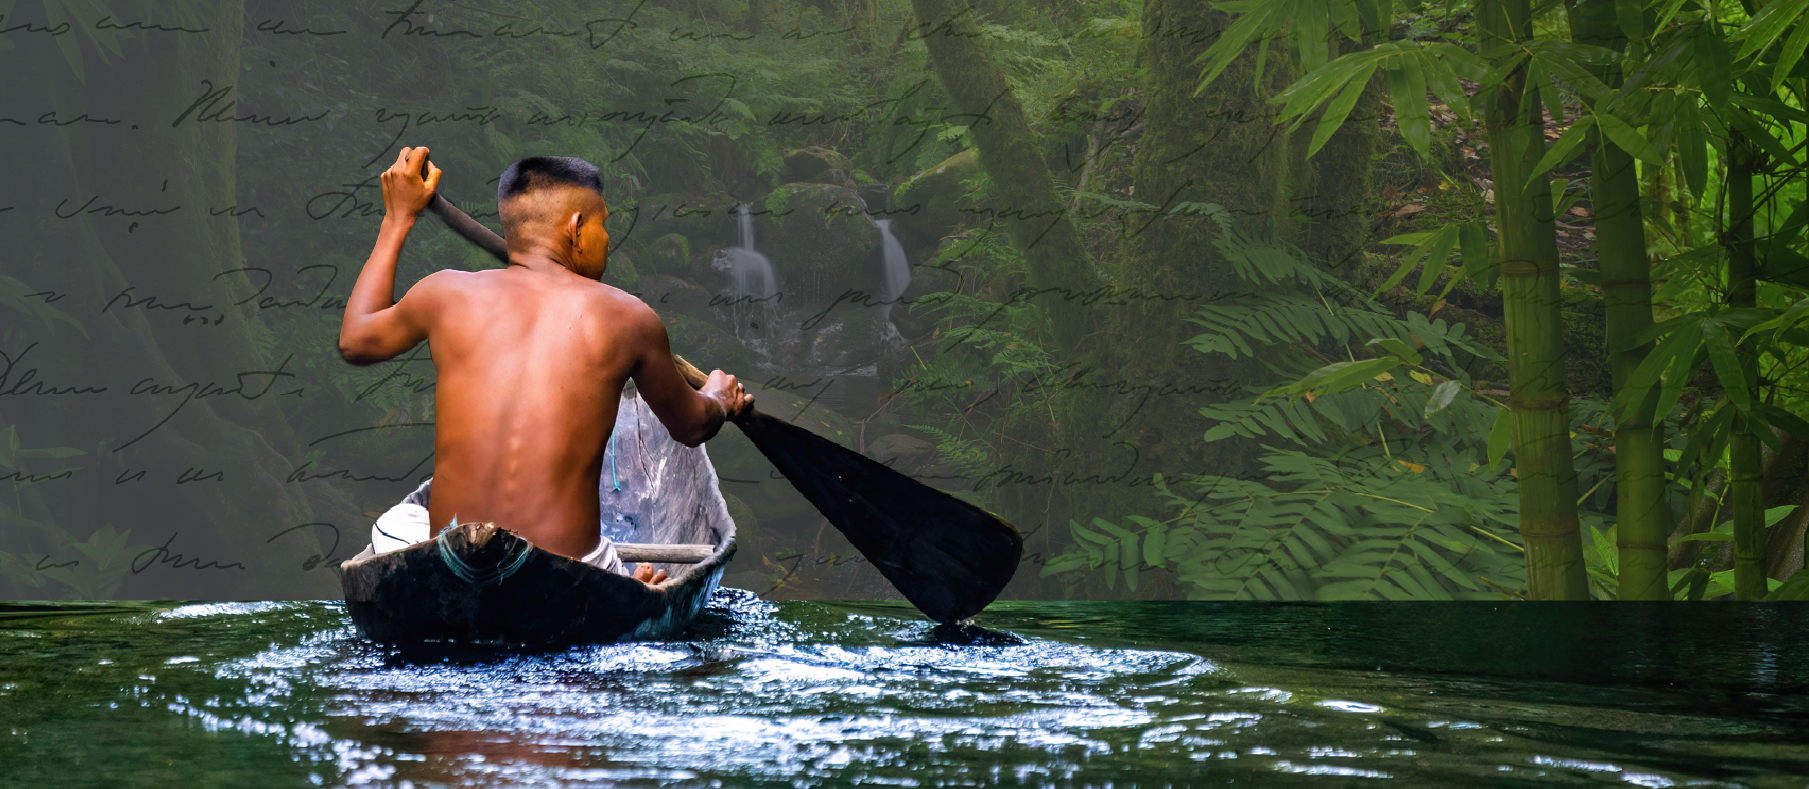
{"x":480,"y":583}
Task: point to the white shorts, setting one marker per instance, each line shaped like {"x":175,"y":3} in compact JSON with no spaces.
{"x":406,"y":524}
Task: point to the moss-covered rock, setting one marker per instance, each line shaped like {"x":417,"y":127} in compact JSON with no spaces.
{"x":670,"y":254}
{"x":807,"y":165}
{"x":918,"y":311}
{"x":673,"y":296}
{"x":929,"y":204}
{"x":706,"y":220}
{"x":708,"y":346}
{"x":819,"y":239}
{"x":621,"y":271}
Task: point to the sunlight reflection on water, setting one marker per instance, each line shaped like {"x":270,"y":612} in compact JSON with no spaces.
{"x":825,"y":694}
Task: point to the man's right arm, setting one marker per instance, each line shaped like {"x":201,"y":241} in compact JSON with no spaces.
{"x":692,"y":416}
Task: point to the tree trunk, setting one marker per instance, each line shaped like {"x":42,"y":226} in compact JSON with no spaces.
{"x":1342,"y":176}
{"x":1747,"y":471}
{"x":758,"y":11}
{"x":183,"y":438}
{"x":1640,"y":489}
{"x":1025,"y":204}
{"x":1220,"y":147}
{"x":1535,"y":330}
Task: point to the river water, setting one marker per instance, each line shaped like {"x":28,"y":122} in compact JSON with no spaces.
{"x":797,"y":694}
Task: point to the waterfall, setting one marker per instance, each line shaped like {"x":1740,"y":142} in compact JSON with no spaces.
{"x":753,"y":272}
{"x":895,"y":274}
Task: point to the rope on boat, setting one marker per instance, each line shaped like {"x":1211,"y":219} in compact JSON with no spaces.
{"x":491,"y":577}
{"x":615,"y":480}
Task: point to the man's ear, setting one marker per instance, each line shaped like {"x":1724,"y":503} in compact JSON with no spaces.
{"x":572,"y":231}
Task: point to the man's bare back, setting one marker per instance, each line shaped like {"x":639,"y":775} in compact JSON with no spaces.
{"x":531,"y":359}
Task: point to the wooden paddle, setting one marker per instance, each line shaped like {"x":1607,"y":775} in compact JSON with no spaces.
{"x":948,"y":557}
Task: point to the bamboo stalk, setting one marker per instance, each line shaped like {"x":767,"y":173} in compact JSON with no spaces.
{"x":1539,"y":402}
{"x":1640,"y":489}
{"x":1747,"y":466}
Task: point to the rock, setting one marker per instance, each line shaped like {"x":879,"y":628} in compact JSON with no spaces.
{"x":918,"y":311}
{"x":704,"y":220}
{"x":842,"y":342}
{"x":900,"y":451}
{"x":874,"y":193}
{"x":621,"y":272}
{"x":929,"y":204}
{"x":818,"y":238}
{"x":804,"y":165}
{"x":670,"y":295}
{"x":835,"y":176}
{"x":708,"y":346}
{"x":670,"y":255}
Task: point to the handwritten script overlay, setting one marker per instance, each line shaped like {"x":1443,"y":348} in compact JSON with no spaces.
{"x":192,"y":190}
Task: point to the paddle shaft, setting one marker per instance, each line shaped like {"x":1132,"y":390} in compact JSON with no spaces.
{"x":678,"y":553}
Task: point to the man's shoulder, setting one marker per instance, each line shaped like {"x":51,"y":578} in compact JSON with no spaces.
{"x":620,"y":302}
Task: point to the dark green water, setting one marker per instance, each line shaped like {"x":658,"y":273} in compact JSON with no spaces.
{"x":814,"y":694}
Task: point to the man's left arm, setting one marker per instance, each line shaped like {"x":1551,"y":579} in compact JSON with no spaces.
{"x":375,"y":327}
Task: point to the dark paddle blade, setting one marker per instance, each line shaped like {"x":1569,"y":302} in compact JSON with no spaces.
{"x":948,"y":557}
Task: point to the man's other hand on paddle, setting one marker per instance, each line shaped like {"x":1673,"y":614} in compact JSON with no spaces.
{"x":405,"y":193}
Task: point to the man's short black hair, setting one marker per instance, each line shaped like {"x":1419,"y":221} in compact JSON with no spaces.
{"x":537,"y":171}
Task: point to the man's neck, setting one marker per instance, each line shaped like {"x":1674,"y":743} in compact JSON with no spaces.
{"x":539,"y":259}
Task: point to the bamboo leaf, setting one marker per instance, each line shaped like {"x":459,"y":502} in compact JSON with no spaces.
{"x":1339,"y":110}
{"x":1767,"y":25}
{"x":1628,"y":138}
{"x":1709,"y":433}
{"x":1473,"y":243}
{"x":1407,"y":89}
{"x":1707,"y":536}
{"x":1631,"y":20}
{"x":1692,"y":146}
{"x":1774,"y":416}
{"x":1714,"y":68}
{"x":1254,"y":20}
{"x":1792,"y":52}
{"x":1670,"y":9}
{"x":1562,"y":149}
{"x":1796,"y":587}
{"x":1501,"y":437}
{"x":1726,"y":365}
{"x":1436,"y":253}
{"x":1436,"y":64}
{"x":1548,"y":92}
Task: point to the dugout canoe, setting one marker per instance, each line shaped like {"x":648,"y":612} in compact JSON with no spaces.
{"x":481,"y":583}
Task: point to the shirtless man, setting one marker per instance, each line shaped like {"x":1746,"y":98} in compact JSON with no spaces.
{"x":532,"y":358}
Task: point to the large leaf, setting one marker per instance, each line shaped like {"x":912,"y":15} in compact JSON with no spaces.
{"x":1407,"y":89}
{"x":1562,"y":149}
{"x":1501,"y":437}
{"x":1629,"y":139}
{"x":1727,"y":366}
{"x":1767,"y":26}
{"x":1442,"y":395}
{"x":1714,"y":65}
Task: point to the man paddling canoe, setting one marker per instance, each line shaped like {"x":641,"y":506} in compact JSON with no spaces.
{"x":531,"y":359}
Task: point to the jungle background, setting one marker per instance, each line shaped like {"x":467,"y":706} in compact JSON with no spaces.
{"x":1212,"y":301}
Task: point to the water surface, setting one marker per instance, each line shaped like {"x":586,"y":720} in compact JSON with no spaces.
{"x":820,"y":694}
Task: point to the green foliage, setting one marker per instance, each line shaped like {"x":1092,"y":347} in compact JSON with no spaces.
{"x":1384,"y":498}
